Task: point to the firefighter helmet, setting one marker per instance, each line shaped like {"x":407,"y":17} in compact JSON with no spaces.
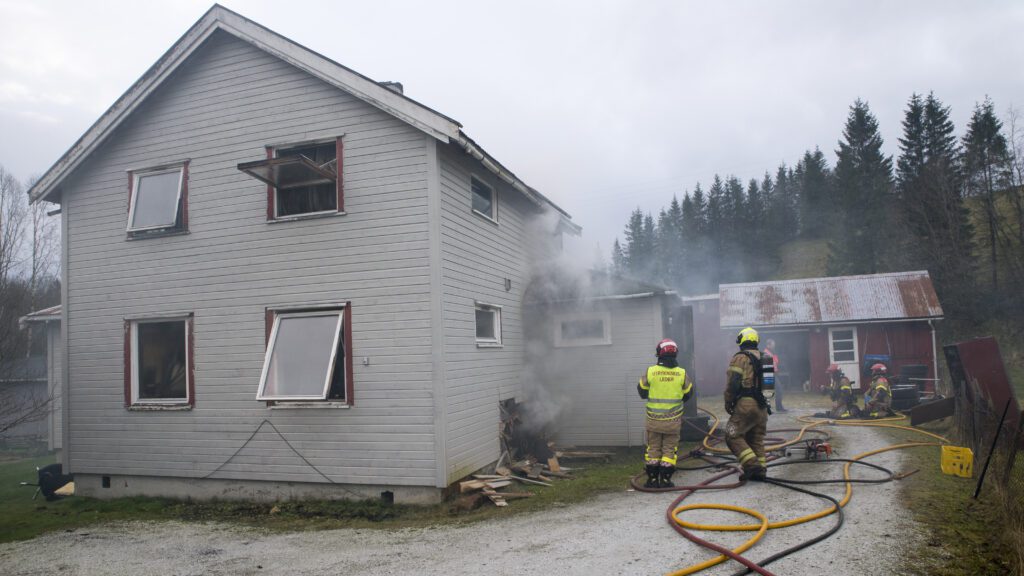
{"x":747,"y":336}
{"x":879,"y":368}
{"x":666,"y":347}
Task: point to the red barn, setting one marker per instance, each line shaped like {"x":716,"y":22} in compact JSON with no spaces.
{"x":852,"y":321}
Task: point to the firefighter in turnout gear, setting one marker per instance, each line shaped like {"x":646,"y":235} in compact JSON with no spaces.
{"x":844,"y":403}
{"x":747,"y":407}
{"x":878,"y":400}
{"x":665,"y":386}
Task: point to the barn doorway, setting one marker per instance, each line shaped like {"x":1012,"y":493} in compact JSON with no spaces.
{"x":793,"y":351}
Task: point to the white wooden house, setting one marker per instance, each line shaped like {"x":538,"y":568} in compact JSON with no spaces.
{"x":284,"y":279}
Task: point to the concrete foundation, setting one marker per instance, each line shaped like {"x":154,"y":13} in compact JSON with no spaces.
{"x":116,"y":486}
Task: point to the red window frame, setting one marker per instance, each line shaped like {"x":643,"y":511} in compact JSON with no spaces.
{"x":270,"y":314}
{"x":339,"y":183}
{"x":184,"y":194}
{"x":190,"y":384}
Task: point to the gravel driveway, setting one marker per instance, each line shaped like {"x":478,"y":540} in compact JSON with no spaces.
{"x":623,"y":533}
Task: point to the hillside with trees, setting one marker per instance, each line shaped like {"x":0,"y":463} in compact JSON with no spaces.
{"x":949,"y":203}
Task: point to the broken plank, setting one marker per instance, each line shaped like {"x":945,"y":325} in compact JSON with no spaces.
{"x":529,"y":481}
{"x":510,"y":495}
{"x":471,"y":485}
{"x":498,"y":484}
{"x":553,"y":464}
{"x":498,"y":500}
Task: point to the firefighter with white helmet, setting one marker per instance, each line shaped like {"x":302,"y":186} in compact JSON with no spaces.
{"x":665,"y":386}
{"x":747,"y":407}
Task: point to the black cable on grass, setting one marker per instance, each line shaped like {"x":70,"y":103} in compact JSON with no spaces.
{"x":839,"y":524}
{"x":891,"y":475}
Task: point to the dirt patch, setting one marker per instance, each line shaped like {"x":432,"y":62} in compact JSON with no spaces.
{"x":621,"y":533}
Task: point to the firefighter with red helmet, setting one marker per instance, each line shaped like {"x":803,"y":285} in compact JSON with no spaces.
{"x":878,"y":399}
{"x":747,"y":407}
{"x":844,"y":403}
{"x":665,"y":386}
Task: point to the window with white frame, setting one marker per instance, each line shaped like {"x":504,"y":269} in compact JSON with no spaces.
{"x":159,"y":357}
{"x":583,"y":329}
{"x":159,"y":200}
{"x":485,"y":203}
{"x":843,"y":344}
{"x":302,"y":180}
{"x":488,"y":325}
{"x":308,"y":357}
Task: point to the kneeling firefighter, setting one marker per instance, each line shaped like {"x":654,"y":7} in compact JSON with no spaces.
{"x":745,"y":401}
{"x":844,"y":403}
{"x":665,"y":386}
{"x":878,"y":400}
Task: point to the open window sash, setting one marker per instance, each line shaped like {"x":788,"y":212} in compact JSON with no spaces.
{"x":298,"y":365}
{"x":291,"y":171}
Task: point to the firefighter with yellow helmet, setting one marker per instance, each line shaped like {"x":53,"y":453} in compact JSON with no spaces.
{"x":665,"y":386}
{"x":747,"y":406}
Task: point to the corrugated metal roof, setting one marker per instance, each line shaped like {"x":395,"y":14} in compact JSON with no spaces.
{"x":893,"y":296}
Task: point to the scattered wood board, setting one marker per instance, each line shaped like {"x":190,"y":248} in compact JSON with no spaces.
{"x":471,"y":485}
{"x":495,"y":484}
{"x":553,"y":464}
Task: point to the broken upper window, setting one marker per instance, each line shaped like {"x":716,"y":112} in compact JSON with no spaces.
{"x":484,"y":201}
{"x":303,"y":179}
{"x":488,"y":325}
{"x":158,"y":201}
{"x":159,"y":353}
{"x":583,"y":329}
{"x":307,"y":357}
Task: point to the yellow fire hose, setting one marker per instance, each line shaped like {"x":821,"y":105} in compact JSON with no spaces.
{"x":764,"y":525}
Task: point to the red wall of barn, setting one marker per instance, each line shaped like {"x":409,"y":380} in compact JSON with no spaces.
{"x":906,"y":342}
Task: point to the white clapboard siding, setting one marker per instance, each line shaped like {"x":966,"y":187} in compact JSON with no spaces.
{"x":477,"y":256}
{"x":595,"y":386}
{"x":54,"y":372}
{"x":219,"y":109}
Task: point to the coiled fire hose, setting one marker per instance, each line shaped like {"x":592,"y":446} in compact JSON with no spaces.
{"x":685,"y":528}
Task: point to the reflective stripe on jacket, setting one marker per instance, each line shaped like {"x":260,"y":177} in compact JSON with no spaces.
{"x":666,"y":388}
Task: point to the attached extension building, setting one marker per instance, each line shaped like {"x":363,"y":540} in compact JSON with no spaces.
{"x":284,"y":279}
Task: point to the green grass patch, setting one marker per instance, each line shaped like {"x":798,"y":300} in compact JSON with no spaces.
{"x":25,"y":518}
{"x":965,"y":536}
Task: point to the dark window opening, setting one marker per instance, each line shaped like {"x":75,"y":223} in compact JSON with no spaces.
{"x":303,"y":179}
{"x":161,"y":360}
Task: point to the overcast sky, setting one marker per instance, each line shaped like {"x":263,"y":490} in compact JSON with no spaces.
{"x":602,"y":106}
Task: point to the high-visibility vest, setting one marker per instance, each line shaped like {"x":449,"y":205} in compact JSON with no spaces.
{"x":881,"y":382}
{"x":667,"y":386}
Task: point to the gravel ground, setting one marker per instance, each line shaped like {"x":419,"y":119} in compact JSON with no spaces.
{"x":623,"y":533}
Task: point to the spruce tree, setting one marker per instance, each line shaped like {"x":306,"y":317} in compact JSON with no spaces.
{"x":618,"y":259}
{"x":864,"y":194}
{"x":813,"y":179}
{"x":986,"y":158}
{"x":933,"y":214}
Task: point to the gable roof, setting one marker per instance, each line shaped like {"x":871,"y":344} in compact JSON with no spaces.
{"x":217,"y":18}
{"x":872,"y":297}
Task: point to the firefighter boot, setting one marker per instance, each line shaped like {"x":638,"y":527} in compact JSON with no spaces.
{"x":666,"y":476}
{"x":652,"y":476}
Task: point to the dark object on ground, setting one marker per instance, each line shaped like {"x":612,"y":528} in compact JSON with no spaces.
{"x":905,"y":396}
{"x":934,"y":410}
{"x":51,"y":479}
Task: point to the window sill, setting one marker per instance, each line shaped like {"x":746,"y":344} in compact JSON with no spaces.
{"x":278,"y":405}
{"x":313,"y":216}
{"x":489,"y":345}
{"x":486,"y":217}
{"x":156,"y":234}
{"x":160,"y":407}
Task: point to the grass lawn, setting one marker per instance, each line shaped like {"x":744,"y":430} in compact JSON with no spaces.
{"x":965,"y":536}
{"x":24,"y":518}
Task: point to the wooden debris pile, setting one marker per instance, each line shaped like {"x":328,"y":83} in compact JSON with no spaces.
{"x":528,"y":458}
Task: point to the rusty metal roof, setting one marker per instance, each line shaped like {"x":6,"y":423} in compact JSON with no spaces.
{"x":871,"y":297}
